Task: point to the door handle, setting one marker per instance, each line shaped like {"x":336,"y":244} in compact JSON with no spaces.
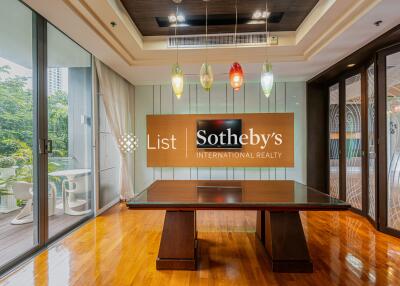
{"x":45,"y":146}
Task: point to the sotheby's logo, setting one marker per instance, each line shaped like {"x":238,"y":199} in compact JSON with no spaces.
{"x":128,"y":143}
{"x":228,"y":139}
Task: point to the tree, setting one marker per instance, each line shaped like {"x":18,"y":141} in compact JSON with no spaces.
{"x":16,"y":119}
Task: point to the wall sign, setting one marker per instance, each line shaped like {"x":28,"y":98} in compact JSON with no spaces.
{"x":220,"y":140}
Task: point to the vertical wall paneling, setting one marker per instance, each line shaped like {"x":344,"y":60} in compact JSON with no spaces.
{"x":238,"y":107}
{"x":181,"y":106}
{"x":203,"y":107}
{"x":252,"y":105}
{"x":296,"y":102}
{"x":193,"y":109}
{"x":280,"y":106}
{"x":167,"y":107}
{"x":159,"y":99}
{"x":218,"y":104}
{"x":109,"y":160}
{"x":143,"y":105}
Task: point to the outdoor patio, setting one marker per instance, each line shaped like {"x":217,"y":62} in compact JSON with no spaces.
{"x":16,"y":239}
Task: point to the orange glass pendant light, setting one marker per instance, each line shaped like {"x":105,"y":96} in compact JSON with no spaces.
{"x":236,"y":76}
{"x":236,"y":71}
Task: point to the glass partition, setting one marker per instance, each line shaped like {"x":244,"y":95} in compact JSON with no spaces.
{"x":353,"y":141}
{"x":371,"y":141}
{"x":18,"y":216}
{"x":334,"y":141}
{"x":393,"y":139}
{"x":70,"y":130}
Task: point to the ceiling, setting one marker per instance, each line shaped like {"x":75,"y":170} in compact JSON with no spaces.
{"x":151,"y":17}
{"x":331,"y":31}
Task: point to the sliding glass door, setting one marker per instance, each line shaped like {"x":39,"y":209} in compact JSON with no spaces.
{"x":18,"y":186}
{"x":69,"y":94}
{"x":393,"y":140}
{"x":353,"y":141}
{"x":46,"y":173}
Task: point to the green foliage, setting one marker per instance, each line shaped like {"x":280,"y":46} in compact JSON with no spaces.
{"x":16,"y":119}
{"x":7,"y":162}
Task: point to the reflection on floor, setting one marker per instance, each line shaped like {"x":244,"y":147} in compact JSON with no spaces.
{"x":120,"y":248}
{"x":17,"y":239}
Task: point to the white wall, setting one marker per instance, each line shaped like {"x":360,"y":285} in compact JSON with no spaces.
{"x":109,"y":161}
{"x":159,"y":99}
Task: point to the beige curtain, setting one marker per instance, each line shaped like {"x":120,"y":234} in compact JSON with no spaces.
{"x":118,"y":95}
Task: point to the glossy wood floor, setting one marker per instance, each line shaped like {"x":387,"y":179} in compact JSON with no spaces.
{"x":120,"y":248}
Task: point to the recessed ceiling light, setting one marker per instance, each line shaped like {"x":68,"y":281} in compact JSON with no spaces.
{"x":181,"y":18}
{"x":257,"y":14}
{"x":351,"y":65}
{"x":266,"y":14}
{"x":172,"y":18}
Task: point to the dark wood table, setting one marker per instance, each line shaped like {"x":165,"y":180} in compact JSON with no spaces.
{"x":277,"y":204}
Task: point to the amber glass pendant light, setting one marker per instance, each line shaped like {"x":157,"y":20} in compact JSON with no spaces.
{"x":177,"y":80}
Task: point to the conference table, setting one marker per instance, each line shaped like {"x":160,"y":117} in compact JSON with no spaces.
{"x":278,"y":225}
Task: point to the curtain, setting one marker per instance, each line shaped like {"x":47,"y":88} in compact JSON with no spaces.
{"x":118,"y":96}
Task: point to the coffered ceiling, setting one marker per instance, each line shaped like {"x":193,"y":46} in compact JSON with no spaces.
{"x":324,"y":35}
{"x":151,"y":17}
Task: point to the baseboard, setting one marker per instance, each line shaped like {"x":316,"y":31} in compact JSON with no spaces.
{"x":108,"y":206}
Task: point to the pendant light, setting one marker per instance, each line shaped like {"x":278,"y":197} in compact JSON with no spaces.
{"x":267,"y":77}
{"x":177,"y":72}
{"x":236,"y":71}
{"x":206,"y":73}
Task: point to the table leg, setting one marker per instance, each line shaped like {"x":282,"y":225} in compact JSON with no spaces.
{"x":285,"y":242}
{"x":260,"y":226}
{"x":178,"y":247}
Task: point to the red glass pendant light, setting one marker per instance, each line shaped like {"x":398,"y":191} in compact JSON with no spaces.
{"x":236,"y":76}
{"x":236,"y":71}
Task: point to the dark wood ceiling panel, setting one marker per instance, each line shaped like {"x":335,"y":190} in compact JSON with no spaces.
{"x":145,"y":12}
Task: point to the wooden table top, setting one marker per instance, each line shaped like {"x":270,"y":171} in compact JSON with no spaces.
{"x":251,"y":195}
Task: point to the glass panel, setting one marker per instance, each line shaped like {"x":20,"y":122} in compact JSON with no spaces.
{"x":353,"y":141}
{"x":70,"y":129}
{"x":334,"y":141}
{"x":17,"y":214}
{"x":371,"y":141}
{"x":393,"y":139}
{"x":193,"y":194}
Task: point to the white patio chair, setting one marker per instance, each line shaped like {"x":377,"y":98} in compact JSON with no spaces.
{"x":72,"y":187}
{"x":23,"y":191}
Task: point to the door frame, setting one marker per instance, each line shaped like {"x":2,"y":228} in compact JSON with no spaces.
{"x":382,"y":138}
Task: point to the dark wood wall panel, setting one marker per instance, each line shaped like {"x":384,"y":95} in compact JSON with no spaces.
{"x":317,"y":130}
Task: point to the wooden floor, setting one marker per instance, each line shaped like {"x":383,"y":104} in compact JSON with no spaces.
{"x":17,"y":239}
{"x":120,"y":248}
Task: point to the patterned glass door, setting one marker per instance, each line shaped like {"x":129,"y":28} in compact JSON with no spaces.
{"x":334,"y":141}
{"x":393,"y":139}
{"x":353,"y":142}
{"x":371,"y":141}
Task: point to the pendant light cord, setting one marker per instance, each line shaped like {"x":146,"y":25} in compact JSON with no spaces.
{"x":236,"y":20}
{"x":206,"y":33}
{"x":266,"y":30}
{"x":176,"y":27}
